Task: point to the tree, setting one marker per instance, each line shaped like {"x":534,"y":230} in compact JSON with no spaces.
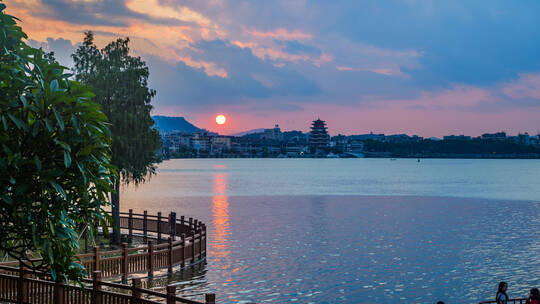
{"x":120,"y":83}
{"x":55,"y":170}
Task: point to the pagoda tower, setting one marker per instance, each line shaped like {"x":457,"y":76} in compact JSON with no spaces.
{"x":318,"y":137}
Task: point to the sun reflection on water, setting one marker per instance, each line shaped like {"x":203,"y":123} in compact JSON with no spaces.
{"x":219,"y":243}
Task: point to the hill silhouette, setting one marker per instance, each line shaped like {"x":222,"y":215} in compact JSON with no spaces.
{"x":174,"y":123}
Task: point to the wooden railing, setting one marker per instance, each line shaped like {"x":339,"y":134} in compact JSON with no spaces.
{"x":177,"y":242}
{"x":166,"y":254}
{"x":510,"y":301}
{"x":18,"y":285}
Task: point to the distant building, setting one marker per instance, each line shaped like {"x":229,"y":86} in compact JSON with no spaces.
{"x":174,"y":141}
{"x":397,"y":138}
{"x":272,"y":134}
{"x":339,"y":142}
{"x":201,"y":141}
{"x":494,"y":136}
{"x":524,"y":139}
{"x":457,"y":137}
{"x":370,"y":136}
{"x":535,"y":140}
{"x":318,"y":137}
{"x":221,"y":142}
{"x":356,"y":146}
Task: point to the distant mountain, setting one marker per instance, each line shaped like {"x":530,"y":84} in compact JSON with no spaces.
{"x":240,"y":134}
{"x":172,"y":123}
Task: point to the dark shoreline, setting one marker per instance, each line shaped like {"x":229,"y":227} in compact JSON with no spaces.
{"x":432,"y":156}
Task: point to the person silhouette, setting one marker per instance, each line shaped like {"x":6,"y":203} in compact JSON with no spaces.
{"x":502,"y":296}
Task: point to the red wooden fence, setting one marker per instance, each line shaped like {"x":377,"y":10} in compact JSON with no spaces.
{"x":21,"y":286}
{"x":185,"y":243}
{"x":178,"y":242}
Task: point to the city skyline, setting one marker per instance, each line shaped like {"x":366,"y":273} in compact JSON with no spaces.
{"x":307,"y":128}
{"x":426,"y":68}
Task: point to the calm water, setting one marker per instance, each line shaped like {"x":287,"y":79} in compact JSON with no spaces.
{"x":355,"y":230}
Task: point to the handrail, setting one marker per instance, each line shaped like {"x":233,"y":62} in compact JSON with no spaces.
{"x":510,"y":301}
{"x":23,"y":288}
{"x":166,"y":254}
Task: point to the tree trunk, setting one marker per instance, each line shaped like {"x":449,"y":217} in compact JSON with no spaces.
{"x":115,"y":201}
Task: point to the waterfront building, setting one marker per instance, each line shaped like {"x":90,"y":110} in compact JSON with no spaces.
{"x":293,"y":150}
{"x":494,"y":136}
{"x":524,"y":139}
{"x":272,"y":134}
{"x":201,"y":141}
{"x":174,"y":141}
{"x":318,"y":137}
{"x":370,"y":136}
{"x":397,"y":138}
{"x":356,"y":146}
{"x":221,"y":142}
{"x":340,"y":143}
{"x":457,"y":137}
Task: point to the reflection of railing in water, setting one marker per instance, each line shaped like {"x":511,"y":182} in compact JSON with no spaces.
{"x":15,"y":286}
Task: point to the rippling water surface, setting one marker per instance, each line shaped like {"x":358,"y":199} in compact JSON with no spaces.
{"x":355,"y":230}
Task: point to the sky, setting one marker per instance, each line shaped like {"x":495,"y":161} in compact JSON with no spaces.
{"x":430,"y":68}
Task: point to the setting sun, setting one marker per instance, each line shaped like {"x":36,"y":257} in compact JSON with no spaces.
{"x":221,"y":119}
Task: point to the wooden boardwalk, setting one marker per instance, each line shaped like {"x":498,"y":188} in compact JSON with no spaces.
{"x":178,"y":242}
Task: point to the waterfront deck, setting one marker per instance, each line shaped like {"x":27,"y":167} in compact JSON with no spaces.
{"x":180,"y":242}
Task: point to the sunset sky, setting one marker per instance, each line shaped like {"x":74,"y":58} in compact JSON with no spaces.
{"x":420,"y":67}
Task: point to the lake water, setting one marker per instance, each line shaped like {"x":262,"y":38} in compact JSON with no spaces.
{"x":355,"y":230}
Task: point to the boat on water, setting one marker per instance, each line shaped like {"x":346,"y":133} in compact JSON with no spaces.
{"x":332,"y":155}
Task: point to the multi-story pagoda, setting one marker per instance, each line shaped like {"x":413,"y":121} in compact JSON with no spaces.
{"x":318,"y":137}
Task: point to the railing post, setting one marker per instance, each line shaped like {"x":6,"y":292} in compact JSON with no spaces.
{"x":190,"y":223}
{"x":171,"y":293}
{"x":96,"y":258}
{"x":195,"y":223}
{"x":170,"y":260}
{"x":96,"y":287}
{"x":159,"y":227}
{"x":145,"y":225}
{"x":130,"y":224}
{"x":172,"y":225}
{"x":125,"y":263}
{"x":135,"y":289}
{"x":22,"y":286}
{"x":182,"y":220}
{"x":204,"y":230}
{"x":183,"y":258}
{"x":200,"y":242}
{"x":150,"y":259}
{"x":192,"y":246}
{"x":210,"y":298}
{"x":58,"y":296}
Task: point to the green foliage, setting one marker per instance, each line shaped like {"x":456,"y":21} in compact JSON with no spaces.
{"x":120,"y":83}
{"x":55,"y":169}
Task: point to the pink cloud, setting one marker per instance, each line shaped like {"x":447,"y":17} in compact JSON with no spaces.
{"x":527,"y":85}
{"x":280,"y":33}
{"x":389,"y":71}
{"x":457,"y":97}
